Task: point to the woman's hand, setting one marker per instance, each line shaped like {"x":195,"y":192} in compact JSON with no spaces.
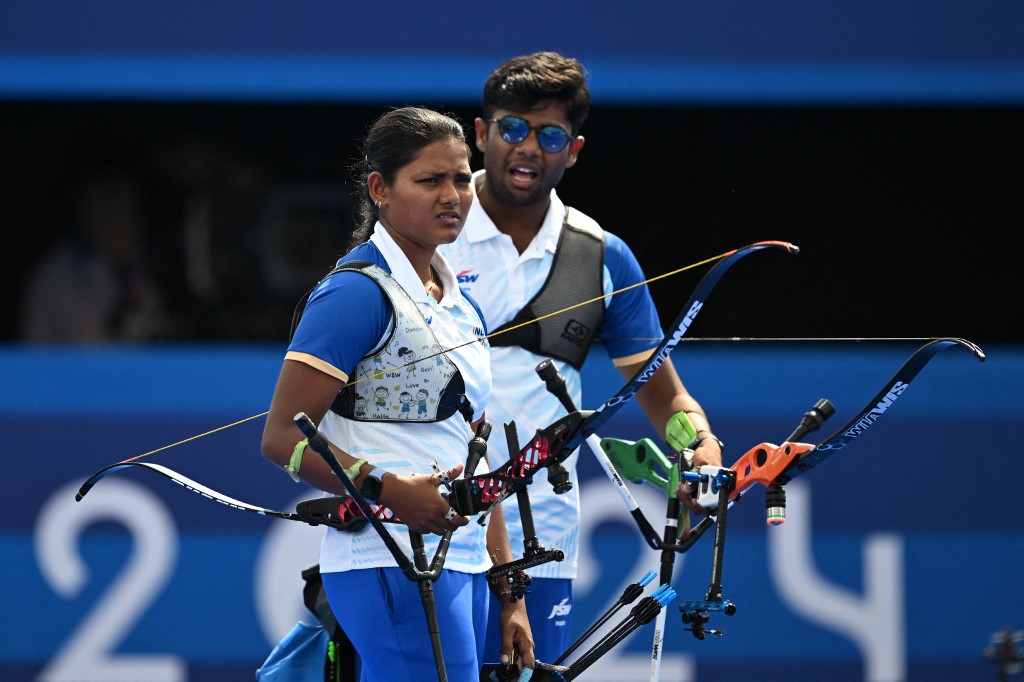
{"x":416,"y":501}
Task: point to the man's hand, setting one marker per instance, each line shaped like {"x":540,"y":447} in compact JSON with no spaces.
{"x":708,"y":451}
{"x":516,"y":636}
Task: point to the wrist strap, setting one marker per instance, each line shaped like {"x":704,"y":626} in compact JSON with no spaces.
{"x":292,"y":467}
{"x":706,"y":436}
{"x":353,"y":471}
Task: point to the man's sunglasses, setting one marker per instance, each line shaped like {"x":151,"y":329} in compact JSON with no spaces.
{"x":514,"y":130}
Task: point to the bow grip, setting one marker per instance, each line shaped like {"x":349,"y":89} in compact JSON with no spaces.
{"x":461,"y":497}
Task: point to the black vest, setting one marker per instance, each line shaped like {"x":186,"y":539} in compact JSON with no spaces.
{"x":576,"y":277}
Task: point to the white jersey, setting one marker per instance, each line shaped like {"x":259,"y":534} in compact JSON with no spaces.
{"x":502,"y":281}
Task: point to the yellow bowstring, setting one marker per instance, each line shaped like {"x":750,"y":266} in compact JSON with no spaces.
{"x":448,"y":350}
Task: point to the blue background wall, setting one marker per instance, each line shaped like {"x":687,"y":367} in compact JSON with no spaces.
{"x":656,"y":52}
{"x":901,"y":556}
{"x":914,"y":531}
{"x":867,"y":132}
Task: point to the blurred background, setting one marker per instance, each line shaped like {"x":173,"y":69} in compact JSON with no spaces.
{"x":175,"y":176}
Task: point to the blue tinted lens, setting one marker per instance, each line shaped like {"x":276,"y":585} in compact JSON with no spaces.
{"x":552,"y":139}
{"x":513,"y":129}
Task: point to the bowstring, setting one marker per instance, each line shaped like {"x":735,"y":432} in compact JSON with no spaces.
{"x":192,"y":438}
{"x":379,"y":373}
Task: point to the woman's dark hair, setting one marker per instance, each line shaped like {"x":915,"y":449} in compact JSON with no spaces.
{"x":391,"y":143}
{"x":535,"y":80}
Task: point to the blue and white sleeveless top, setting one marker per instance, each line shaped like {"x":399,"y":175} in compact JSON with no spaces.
{"x":348,"y":317}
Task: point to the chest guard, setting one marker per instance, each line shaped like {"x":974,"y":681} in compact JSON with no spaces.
{"x":576,"y":275}
{"x":408,"y":378}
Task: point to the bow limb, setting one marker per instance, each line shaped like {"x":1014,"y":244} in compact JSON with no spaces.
{"x":767,"y":463}
{"x":672,"y":339}
{"x":727,"y":255}
{"x":330,"y":511}
{"x":553,"y":444}
{"x":877,"y":406}
{"x":567,"y":437}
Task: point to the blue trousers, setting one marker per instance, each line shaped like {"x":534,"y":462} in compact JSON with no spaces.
{"x":549,"y":606}
{"x":381,"y":611}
